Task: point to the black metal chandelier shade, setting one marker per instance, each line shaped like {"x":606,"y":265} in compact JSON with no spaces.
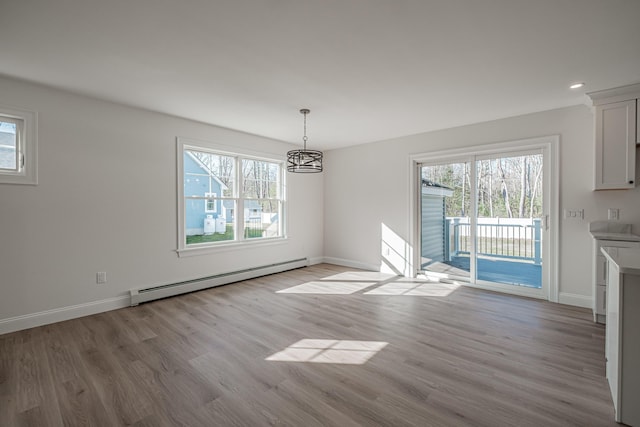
{"x":304,"y":161}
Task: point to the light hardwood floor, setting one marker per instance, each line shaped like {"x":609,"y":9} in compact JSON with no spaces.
{"x":469,"y":358}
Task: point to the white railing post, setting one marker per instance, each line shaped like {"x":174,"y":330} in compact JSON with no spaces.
{"x":447,"y":239}
{"x":537,"y":253}
{"x":456,"y":235}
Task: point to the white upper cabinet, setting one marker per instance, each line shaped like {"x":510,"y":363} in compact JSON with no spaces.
{"x":616,"y":124}
{"x":615,"y":145}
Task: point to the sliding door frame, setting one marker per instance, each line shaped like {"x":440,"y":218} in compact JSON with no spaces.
{"x":549,"y":146}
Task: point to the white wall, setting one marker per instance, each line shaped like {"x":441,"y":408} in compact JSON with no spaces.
{"x":106,"y":201}
{"x":367,"y":186}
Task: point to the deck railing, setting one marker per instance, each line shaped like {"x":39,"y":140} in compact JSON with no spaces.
{"x":517,"y":239}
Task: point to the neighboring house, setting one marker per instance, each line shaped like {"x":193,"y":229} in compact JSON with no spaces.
{"x":252,"y":211}
{"x":7,"y":147}
{"x":200,"y":181}
{"x":434,"y":234}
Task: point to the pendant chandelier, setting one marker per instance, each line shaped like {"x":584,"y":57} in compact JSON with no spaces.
{"x":304,"y":161}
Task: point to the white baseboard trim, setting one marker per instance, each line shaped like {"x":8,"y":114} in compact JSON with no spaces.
{"x":26,"y":321}
{"x":140,"y":295}
{"x":351,"y":263}
{"x":575,"y":299}
{"x":316,"y":260}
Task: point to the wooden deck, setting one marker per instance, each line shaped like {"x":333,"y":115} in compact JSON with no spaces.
{"x":512,"y":272}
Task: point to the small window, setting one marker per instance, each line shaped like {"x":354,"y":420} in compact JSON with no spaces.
{"x":18,"y":147}
{"x":211,"y":204}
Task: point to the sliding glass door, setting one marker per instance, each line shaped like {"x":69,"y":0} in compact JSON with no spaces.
{"x":445,"y":201}
{"x":483,"y":219}
{"x":509,"y":219}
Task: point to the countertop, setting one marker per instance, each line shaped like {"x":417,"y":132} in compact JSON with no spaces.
{"x":611,"y":230}
{"x":627,"y":259}
{"x":621,"y":237}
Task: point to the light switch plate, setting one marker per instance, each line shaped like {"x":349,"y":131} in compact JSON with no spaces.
{"x":574,"y":213}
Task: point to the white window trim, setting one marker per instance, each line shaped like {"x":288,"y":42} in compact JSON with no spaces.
{"x":551,"y":145}
{"x":26,"y":145}
{"x":201,"y":249}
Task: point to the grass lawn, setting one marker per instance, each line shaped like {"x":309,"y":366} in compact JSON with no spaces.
{"x":217,"y":237}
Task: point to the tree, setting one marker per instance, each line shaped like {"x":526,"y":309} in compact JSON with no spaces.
{"x":506,"y":186}
{"x":523,"y":186}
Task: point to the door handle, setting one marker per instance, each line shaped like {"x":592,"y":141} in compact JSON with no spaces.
{"x":546,"y":222}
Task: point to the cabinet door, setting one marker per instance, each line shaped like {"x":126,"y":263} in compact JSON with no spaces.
{"x":612,"y":341}
{"x":601,"y":268}
{"x":637,"y":122}
{"x":601,"y":299}
{"x":615,"y":145}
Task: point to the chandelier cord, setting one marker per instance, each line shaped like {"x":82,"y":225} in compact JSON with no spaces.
{"x":304,"y":138}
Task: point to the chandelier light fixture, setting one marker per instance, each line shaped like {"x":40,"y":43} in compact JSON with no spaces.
{"x":304,"y":161}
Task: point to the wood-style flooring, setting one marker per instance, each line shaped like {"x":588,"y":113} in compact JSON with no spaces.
{"x":464,"y":358}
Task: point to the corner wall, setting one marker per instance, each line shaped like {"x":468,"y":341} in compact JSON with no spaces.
{"x":367,"y":190}
{"x":106,"y":201}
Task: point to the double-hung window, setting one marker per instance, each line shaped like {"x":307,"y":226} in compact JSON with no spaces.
{"x":227,"y":197}
{"x":18,"y":146}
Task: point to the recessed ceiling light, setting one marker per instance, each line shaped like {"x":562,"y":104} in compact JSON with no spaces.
{"x":576,"y":86}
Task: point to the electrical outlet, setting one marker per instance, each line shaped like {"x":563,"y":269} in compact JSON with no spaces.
{"x":101,"y":277}
{"x":613,"y":214}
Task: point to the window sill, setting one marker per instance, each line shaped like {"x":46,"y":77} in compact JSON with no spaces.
{"x":20,"y":179}
{"x":205,"y":249}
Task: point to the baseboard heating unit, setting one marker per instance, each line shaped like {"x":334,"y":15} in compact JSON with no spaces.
{"x":163,"y":291}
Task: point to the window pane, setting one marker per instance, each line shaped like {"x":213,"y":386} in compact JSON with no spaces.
{"x":204,"y":227}
{"x":445,"y":200}
{"x":208,"y":173}
{"x":262,"y":218}
{"x":8,"y":146}
{"x":261,"y":179}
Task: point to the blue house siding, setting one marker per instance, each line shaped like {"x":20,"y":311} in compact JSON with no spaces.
{"x":433,"y":228}
{"x":198,"y":181}
{"x":434,"y":235}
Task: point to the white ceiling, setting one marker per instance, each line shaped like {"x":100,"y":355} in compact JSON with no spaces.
{"x":368,"y":69}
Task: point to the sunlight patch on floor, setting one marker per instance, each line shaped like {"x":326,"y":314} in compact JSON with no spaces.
{"x":375,"y":283}
{"x":361,"y":276}
{"x":429,"y":289}
{"x":329,"y":351}
{"x":330,"y":288}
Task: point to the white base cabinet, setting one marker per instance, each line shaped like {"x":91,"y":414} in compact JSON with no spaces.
{"x":600,"y":276}
{"x":622,"y":346}
{"x":606,"y":234}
